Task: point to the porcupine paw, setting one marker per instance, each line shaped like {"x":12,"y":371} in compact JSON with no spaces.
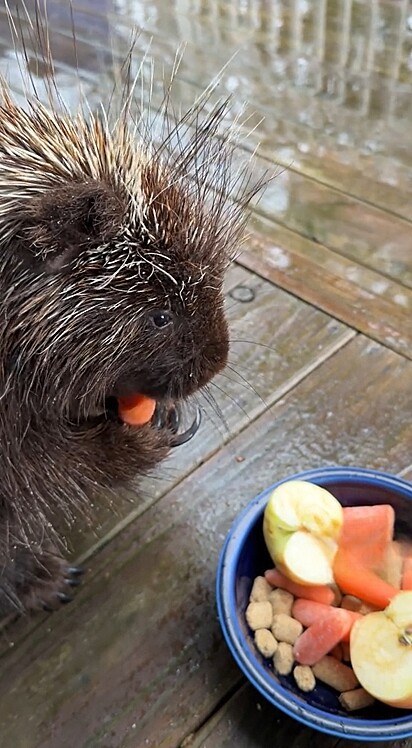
{"x":47,"y":583}
{"x":171,"y":417}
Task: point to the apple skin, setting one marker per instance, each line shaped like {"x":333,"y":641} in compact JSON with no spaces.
{"x":381,"y":652}
{"x":301,"y":525}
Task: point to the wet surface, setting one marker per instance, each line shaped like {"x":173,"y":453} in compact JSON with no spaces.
{"x":320,"y":306}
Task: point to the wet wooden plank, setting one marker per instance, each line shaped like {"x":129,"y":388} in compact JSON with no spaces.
{"x":248,"y":720}
{"x":376,"y":178}
{"x":138,"y":658}
{"x":362,"y":298}
{"x":362,"y":233}
{"x":338,"y":99}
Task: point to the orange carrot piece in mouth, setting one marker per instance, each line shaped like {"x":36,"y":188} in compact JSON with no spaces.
{"x":136,"y":410}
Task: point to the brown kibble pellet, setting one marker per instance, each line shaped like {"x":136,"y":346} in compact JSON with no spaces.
{"x":356,"y":699}
{"x":285,"y":628}
{"x":265,"y":642}
{"x":335,"y":674}
{"x":259,"y":615}
{"x":305,"y":680}
{"x":283,"y":659}
{"x":281,"y":601}
{"x":260,"y":590}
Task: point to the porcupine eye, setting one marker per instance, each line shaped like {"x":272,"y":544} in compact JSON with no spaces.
{"x":160,"y":318}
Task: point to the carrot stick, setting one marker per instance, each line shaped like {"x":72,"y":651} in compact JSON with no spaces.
{"x":355,"y":579}
{"x":308,"y":612}
{"x":322,"y":636}
{"x":136,"y":410}
{"x":367,"y":531}
{"x":366,"y":523}
{"x":319,"y":593}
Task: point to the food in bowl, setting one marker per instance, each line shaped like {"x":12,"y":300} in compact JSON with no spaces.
{"x":303,"y":521}
{"x":341,"y":578}
{"x":244,"y":556}
{"x":381,"y":652}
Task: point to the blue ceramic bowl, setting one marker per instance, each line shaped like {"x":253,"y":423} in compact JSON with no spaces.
{"x":244,"y":556}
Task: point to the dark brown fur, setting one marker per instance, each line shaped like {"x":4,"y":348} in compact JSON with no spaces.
{"x":82,"y":272}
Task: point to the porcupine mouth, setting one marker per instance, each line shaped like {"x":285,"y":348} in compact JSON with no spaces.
{"x":170,"y":418}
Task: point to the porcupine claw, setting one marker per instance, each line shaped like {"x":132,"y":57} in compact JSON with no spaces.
{"x":170,"y":418}
{"x":56,"y":595}
{"x":75,"y":571}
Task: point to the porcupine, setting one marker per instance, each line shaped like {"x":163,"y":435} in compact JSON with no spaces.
{"x":113,"y":252}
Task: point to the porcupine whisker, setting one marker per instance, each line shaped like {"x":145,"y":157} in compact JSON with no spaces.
{"x":224,"y":375}
{"x":255,"y":343}
{"x":213,"y":410}
{"x":212,"y":401}
{"x":245,"y":383}
{"x":226,"y":394}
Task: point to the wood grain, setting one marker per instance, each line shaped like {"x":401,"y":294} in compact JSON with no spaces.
{"x":362,"y":233}
{"x":248,"y":721}
{"x":365,"y":300}
{"x":138,"y":658}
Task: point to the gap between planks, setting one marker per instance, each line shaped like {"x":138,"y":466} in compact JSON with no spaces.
{"x":224,"y":716}
{"x":297,"y":259}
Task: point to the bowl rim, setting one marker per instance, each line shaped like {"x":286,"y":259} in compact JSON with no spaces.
{"x":338,"y":726}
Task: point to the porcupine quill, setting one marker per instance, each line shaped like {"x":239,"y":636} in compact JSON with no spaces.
{"x":114,"y":247}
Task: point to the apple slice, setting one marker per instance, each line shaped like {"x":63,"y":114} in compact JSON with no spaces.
{"x":301,"y":526}
{"x":381,"y":652}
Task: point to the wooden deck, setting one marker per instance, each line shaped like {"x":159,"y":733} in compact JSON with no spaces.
{"x":321,"y":357}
